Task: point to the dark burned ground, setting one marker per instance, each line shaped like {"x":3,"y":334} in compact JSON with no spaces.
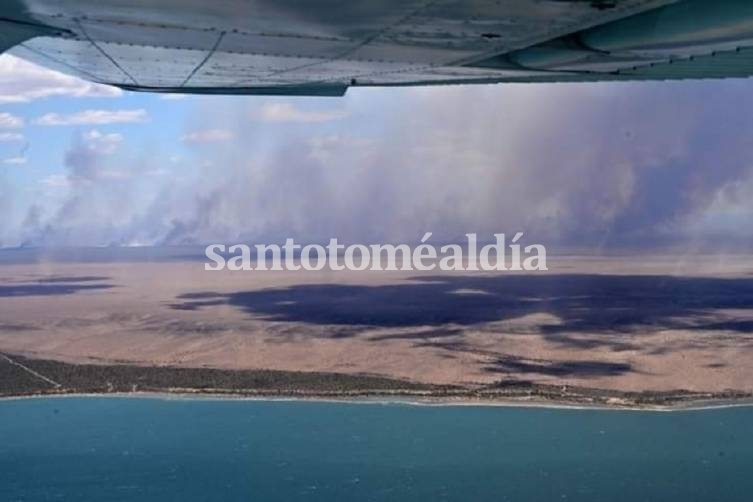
{"x":21,"y":376}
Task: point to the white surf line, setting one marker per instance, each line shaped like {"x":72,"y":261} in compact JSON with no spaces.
{"x":31,"y":371}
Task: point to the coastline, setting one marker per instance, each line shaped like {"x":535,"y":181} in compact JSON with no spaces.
{"x":22,"y":377}
{"x":395,"y":399}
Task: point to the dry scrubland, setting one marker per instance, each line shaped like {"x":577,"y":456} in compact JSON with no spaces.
{"x":621,"y":323}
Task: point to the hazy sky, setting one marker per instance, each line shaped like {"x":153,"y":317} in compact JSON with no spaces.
{"x":591,"y":165}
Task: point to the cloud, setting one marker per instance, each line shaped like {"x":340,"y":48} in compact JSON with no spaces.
{"x":22,"y":81}
{"x":287,"y":112}
{"x":105,"y":144}
{"x":85,"y":157}
{"x":94,"y":117}
{"x":15,"y":161}
{"x":56,"y":181}
{"x":208,"y":136}
{"x":8,"y":137}
{"x":9,"y":121}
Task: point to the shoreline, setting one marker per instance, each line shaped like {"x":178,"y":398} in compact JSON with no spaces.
{"x":396,"y":399}
{"x":22,"y":377}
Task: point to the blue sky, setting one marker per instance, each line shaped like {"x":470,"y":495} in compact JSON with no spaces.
{"x":44,"y":145}
{"x":594,"y":165}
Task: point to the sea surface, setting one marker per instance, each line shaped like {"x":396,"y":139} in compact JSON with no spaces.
{"x":114,"y":448}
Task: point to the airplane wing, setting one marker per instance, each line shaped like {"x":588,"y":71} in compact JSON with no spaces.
{"x":322,"y":47}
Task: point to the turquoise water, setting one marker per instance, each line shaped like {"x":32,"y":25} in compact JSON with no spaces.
{"x":101,"y":449}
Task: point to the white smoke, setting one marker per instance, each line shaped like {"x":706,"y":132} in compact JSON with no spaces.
{"x":592,"y":165}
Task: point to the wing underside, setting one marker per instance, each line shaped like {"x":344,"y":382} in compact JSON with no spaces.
{"x":322,"y":47}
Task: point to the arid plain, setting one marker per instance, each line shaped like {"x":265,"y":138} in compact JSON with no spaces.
{"x":623,"y":322}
